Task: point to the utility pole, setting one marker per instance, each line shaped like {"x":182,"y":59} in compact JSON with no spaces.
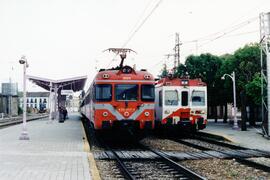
{"x":265,"y":70}
{"x":176,"y":54}
{"x":168,"y":56}
{"x":177,"y":50}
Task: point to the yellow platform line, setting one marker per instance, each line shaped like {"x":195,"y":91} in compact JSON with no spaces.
{"x":223,"y":136}
{"x":92,"y":163}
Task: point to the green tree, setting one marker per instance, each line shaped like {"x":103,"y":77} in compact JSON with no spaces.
{"x":164,"y":71}
{"x":247,"y":63}
{"x":206,"y":67}
{"x":181,"y":71}
{"x":253,"y":89}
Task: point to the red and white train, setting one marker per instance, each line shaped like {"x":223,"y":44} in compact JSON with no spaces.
{"x":181,"y":102}
{"x":120,"y":98}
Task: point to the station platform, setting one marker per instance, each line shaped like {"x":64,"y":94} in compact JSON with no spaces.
{"x":55,"y":151}
{"x":252,"y":138}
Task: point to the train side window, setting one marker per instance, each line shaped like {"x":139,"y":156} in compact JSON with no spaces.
{"x":88,"y":99}
{"x":160,"y":98}
{"x":184,"y":98}
{"x":103,"y":92}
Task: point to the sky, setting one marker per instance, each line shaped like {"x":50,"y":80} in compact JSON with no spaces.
{"x":66,"y":38}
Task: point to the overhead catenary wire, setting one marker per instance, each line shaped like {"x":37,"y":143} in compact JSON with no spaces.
{"x":228,"y":32}
{"x":224,"y":31}
{"x":223,"y":34}
{"x":139,"y":25}
{"x":232,"y":35}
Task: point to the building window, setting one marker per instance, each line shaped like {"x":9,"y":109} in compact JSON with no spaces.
{"x":40,"y":100}
{"x":35,"y":100}
{"x":31,"y":101}
{"x":36,"y":106}
{"x":27,"y":100}
{"x":44,"y":100}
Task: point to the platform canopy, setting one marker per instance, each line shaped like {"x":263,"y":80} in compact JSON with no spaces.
{"x":75,"y":83}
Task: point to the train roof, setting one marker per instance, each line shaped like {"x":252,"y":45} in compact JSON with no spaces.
{"x":179,"y":82}
{"x":125,"y":73}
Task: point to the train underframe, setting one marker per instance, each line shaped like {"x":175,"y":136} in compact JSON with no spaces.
{"x":184,"y":124}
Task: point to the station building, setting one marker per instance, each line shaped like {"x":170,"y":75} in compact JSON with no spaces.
{"x":36,"y":100}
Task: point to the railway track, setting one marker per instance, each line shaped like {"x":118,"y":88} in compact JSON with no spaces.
{"x":238,"y":152}
{"x":8,"y":123}
{"x":165,"y":164}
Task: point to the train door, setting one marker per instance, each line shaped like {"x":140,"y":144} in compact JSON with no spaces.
{"x":158,"y":103}
{"x":184,"y":98}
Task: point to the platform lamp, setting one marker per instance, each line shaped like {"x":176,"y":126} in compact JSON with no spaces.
{"x":232,"y":76}
{"x":24,"y":134}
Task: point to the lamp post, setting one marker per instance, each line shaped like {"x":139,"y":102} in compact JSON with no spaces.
{"x":232,"y":76}
{"x":24,"y":134}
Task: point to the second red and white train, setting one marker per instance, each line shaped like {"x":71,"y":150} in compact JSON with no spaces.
{"x":181,"y":103}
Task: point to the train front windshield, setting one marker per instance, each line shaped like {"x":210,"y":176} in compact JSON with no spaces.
{"x":103,"y":92}
{"x":198,"y":98}
{"x":171,"y":98}
{"x":148,"y":92}
{"x":126,"y":92}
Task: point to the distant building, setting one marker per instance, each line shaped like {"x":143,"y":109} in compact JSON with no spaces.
{"x":10,"y":89}
{"x":36,"y":100}
{"x":9,"y":105}
{"x":9,"y":99}
{"x":73,"y":103}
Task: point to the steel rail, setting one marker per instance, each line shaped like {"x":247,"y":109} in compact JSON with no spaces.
{"x":123,"y":168}
{"x":19,"y":121}
{"x":180,"y":168}
{"x":232,"y":146}
{"x":238,"y":159}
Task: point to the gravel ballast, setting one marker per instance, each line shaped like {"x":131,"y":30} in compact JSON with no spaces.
{"x":167,"y":145}
{"x":220,"y":169}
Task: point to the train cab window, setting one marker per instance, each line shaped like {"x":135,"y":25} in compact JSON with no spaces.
{"x":103,"y":92}
{"x":171,"y":98}
{"x":160,"y":98}
{"x":184,"y":98}
{"x":148,"y":92}
{"x":126,"y":92}
{"x":198,"y":98}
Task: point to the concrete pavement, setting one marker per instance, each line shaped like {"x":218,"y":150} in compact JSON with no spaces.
{"x":54,"y":152}
{"x":251,"y":138}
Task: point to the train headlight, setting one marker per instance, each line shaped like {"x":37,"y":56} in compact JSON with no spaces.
{"x":126,"y":114}
{"x":147,"y":76}
{"x":202,"y":112}
{"x":146,"y":114}
{"x":106,"y":76}
{"x":105,"y":114}
{"x":167,"y":112}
